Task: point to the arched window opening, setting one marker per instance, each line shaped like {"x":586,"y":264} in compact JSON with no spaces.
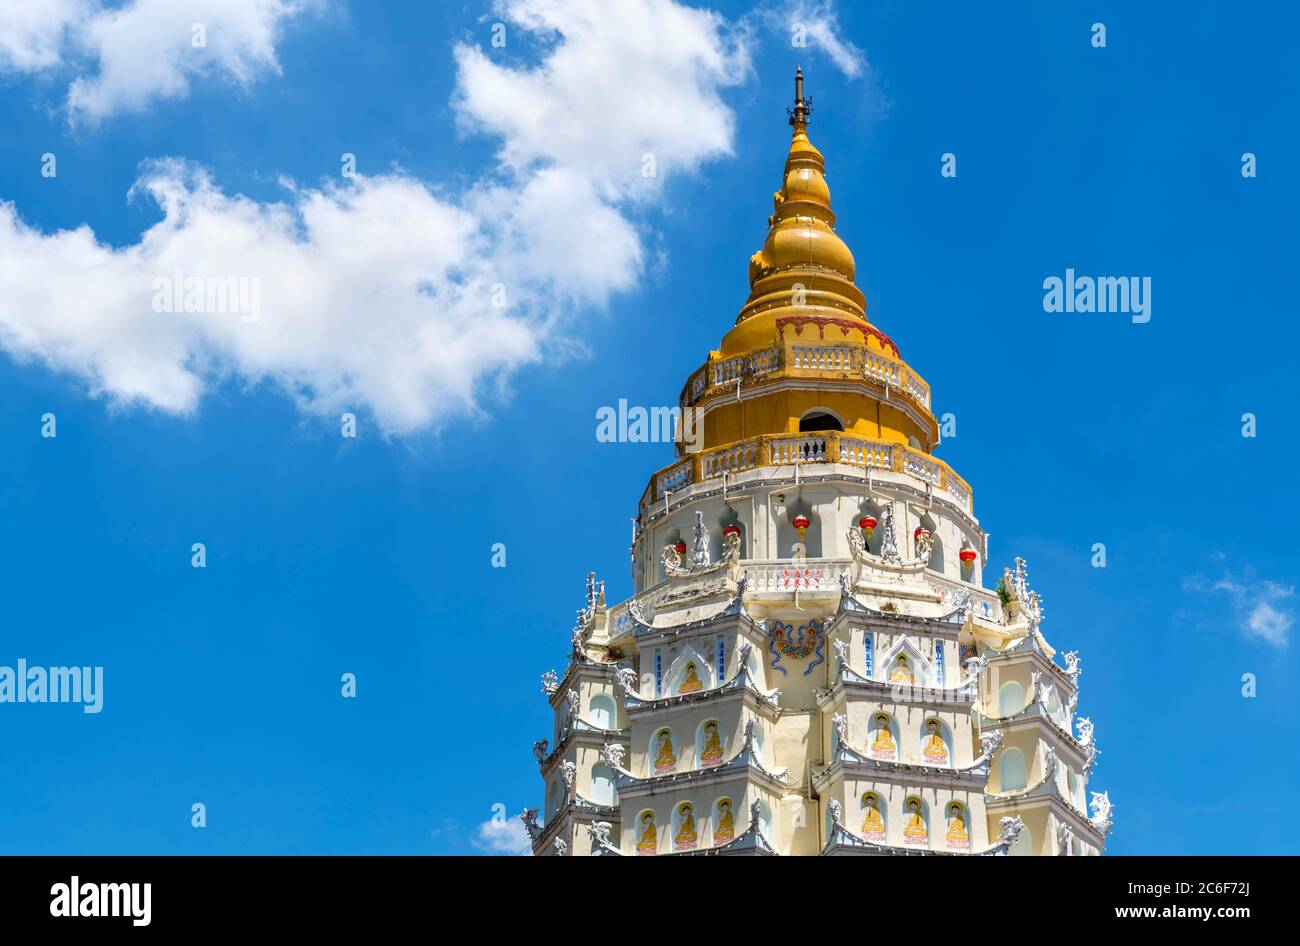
{"x":1012,"y":774}
{"x":819,"y":420}
{"x":1011,"y":698}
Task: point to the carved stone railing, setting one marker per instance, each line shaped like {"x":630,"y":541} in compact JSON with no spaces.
{"x":809,"y":448}
{"x":809,"y":356}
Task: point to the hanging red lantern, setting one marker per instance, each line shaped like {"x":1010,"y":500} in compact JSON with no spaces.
{"x":801,"y":523}
{"x":731,"y":530}
{"x":868,"y":524}
{"x":967,"y":556}
{"x":680,"y":547}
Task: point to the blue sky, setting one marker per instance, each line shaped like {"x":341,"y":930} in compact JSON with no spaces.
{"x":477,"y":423}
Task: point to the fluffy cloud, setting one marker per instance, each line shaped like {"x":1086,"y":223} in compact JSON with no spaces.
{"x":506,"y":836}
{"x":376,"y":293}
{"x":817,"y":23}
{"x":127,"y":56}
{"x":1260,"y":607}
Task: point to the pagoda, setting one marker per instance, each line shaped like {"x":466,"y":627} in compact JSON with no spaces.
{"x":811,"y":661}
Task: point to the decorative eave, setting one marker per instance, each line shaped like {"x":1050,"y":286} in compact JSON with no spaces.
{"x":591,"y":736}
{"x":843,"y":841}
{"x":848,"y":761}
{"x":647,"y":634}
{"x":1035,"y":715}
{"x":741,"y":682}
{"x":743,"y":764}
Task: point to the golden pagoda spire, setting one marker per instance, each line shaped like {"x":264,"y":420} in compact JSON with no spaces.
{"x":803,"y":264}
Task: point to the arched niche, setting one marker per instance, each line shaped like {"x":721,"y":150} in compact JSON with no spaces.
{"x":602,"y":711}
{"x":723,"y":823}
{"x":875,"y":510}
{"x":873,"y":819}
{"x":787,"y":535}
{"x":935,"y":739}
{"x":883,"y":739}
{"x":685,"y":827}
{"x":727,"y":518}
{"x":916,"y":822}
{"x":690,"y":672}
{"x":1013,"y":774}
{"x":1011,"y":698}
{"x":603,"y":791}
{"x":710,"y":744}
{"x":663,"y":752}
{"x":956,"y":826}
{"x":936,"y":561}
{"x":647,"y":832}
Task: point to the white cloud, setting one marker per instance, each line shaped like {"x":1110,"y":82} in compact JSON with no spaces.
{"x":378,"y":292}
{"x":127,"y":56}
{"x":817,"y":24}
{"x":1259,"y":606}
{"x":504,"y":836}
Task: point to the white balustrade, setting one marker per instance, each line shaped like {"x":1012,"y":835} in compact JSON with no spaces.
{"x":734,"y":460}
{"x":866,"y":453}
{"x":823,"y":358}
{"x":799,"y":450}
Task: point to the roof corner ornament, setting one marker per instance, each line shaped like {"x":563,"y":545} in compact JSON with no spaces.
{"x":1011,"y":828}
{"x":529,"y":817}
{"x":550,"y":682}
{"x":1101,"y":807}
{"x":1086,"y":730}
{"x":540,"y":750}
{"x":835,"y":811}
{"x":1064,"y":836}
{"x":1072,"y":666}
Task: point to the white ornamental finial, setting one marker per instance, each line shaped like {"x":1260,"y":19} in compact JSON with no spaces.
{"x":627,"y":679}
{"x":1072,"y":665}
{"x":550,"y":682}
{"x":841,"y":724}
{"x":529,"y":817}
{"x":1011,"y":828}
{"x":1063,"y":838}
{"x":700,"y":551}
{"x":569,"y":772}
{"x":1086,"y":730}
{"x":539,"y":750}
{"x":888,"y":543}
{"x":1101,"y":811}
{"x":599,"y":833}
{"x":561,"y":847}
{"x":842,"y":652}
{"x":613,"y":753}
{"x":990,"y":742}
{"x":755,"y":815}
{"x":834,"y":810}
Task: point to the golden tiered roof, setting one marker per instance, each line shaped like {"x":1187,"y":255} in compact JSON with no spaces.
{"x":802,"y":346}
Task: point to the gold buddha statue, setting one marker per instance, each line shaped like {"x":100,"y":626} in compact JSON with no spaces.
{"x":726,"y":830}
{"x":957,"y":836}
{"x":712,"y":754}
{"x":884,"y":746}
{"x":935,"y":750}
{"x":649,"y":843}
{"x":873,"y":824}
{"x":665,"y":761}
{"x":691,"y":682}
{"x":914,"y":828}
{"x":902,"y":671}
{"x":686,"y":838}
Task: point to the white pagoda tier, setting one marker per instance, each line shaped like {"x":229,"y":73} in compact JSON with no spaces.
{"x":811,"y":662}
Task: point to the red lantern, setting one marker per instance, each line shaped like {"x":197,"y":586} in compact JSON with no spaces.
{"x":868,"y":524}
{"x":800,"y":522}
{"x":731,"y":530}
{"x":967,"y":556}
{"x":921,"y":531}
{"x":680,"y":547}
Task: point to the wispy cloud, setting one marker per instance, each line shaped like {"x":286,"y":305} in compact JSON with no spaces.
{"x":502,"y":836}
{"x":815,"y":24}
{"x":1260,"y":607}
{"x":124,"y":57}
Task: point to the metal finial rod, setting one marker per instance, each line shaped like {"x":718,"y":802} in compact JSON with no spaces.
{"x":802,"y":107}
